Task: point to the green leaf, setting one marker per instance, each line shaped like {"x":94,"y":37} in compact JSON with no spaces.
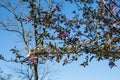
{"x":41,"y":40}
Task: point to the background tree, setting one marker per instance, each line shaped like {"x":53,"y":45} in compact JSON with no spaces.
{"x":24,"y":72}
{"x":48,"y":33}
{"x":4,"y":76}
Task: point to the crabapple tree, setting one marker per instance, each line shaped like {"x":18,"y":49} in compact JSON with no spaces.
{"x":89,"y":29}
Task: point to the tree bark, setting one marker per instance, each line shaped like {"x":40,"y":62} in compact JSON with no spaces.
{"x":35,"y":71}
{"x":33,"y":15}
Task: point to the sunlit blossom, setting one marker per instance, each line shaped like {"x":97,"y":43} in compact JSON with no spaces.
{"x":115,"y":24}
{"x":32,"y":58}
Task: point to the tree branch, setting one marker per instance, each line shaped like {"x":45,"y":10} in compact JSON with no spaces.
{"x":10,"y":30}
{"x":24,"y":39}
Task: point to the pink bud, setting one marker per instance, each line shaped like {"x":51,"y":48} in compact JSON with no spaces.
{"x":63,"y":35}
{"x":59,"y":35}
{"x":28,"y":18}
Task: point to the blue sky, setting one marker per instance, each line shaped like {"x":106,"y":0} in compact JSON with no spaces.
{"x":95,"y":70}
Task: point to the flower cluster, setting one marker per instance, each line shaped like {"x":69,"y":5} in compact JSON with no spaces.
{"x":114,"y":11}
{"x":63,"y":35}
{"x":33,"y":58}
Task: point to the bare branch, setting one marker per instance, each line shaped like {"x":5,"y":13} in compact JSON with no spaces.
{"x":111,"y":13}
{"x":7,"y":29}
{"x":12,"y":10}
{"x":24,"y":39}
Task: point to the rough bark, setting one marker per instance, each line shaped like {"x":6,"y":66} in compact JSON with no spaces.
{"x":35,"y":67}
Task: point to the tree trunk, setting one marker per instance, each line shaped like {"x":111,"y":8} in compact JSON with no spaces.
{"x":33,"y":15}
{"x":35,"y":71}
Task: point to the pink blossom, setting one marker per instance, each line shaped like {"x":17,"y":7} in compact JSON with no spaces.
{"x":103,"y":13}
{"x":33,"y":58}
{"x":75,"y":39}
{"x":109,"y":41}
{"x":28,"y":18}
{"x":114,"y":9}
{"x":115,"y":24}
{"x":63,"y":35}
